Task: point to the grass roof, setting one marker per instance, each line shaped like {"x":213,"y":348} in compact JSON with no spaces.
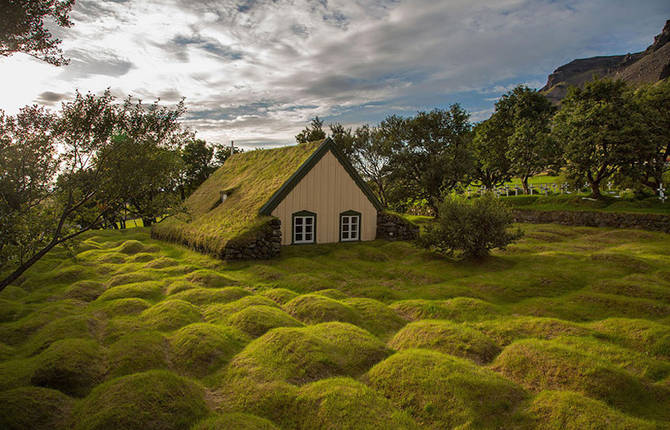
{"x":250,"y":179}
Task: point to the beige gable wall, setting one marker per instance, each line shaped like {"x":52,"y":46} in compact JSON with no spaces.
{"x":327,"y":190}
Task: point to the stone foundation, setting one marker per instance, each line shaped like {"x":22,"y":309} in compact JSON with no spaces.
{"x":265,"y":245}
{"x":653,"y":222}
{"x":394,"y":227}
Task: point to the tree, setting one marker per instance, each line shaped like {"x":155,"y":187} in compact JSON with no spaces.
{"x":343,"y":137}
{"x":523,"y":116}
{"x":223,"y":152}
{"x":22,"y":28}
{"x":197,"y":158}
{"x":312,"y":132}
{"x":62,"y":173}
{"x":472,"y":227}
{"x":654,"y":104}
{"x":429,"y":153}
{"x":369,"y":153}
{"x":602,"y":131}
{"x":490,"y":145}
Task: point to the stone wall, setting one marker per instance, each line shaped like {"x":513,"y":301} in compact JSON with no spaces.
{"x":394,"y":227}
{"x":262,"y":245}
{"x":653,"y":222}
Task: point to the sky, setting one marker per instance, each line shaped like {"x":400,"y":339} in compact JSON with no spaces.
{"x":256,"y":71}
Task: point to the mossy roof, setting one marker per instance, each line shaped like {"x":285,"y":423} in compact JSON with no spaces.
{"x":255,"y":183}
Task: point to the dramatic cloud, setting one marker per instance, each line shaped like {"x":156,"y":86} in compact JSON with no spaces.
{"x":256,"y":71}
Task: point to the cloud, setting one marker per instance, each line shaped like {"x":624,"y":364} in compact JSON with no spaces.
{"x":51,"y":98}
{"x":257,"y":70}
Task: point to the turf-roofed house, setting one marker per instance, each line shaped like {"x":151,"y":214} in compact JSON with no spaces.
{"x":263,"y":199}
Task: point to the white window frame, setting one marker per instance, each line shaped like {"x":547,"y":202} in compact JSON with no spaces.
{"x":301,"y":221}
{"x":349,"y":221}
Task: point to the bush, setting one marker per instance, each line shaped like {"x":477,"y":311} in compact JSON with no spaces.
{"x":470,"y":227}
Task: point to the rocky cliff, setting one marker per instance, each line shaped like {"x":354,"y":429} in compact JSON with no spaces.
{"x":651,"y":65}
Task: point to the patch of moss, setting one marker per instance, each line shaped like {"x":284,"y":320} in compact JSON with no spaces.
{"x":142,"y":257}
{"x":204,"y":296}
{"x":161,"y":263}
{"x":209,"y":278}
{"x":6,"y":351}
{"x":10,"y":310}
{"x":546,"y":365}
{"x":132,"y":247}
{"x":376,"y":317}
{"x":16,"y":373}
{"x":138,"y":352}
{"x":73,"y":366}
{"x":506,"y":330}
{"x":170,"y":314}
{"x":301,"y":355}
{"x":199,"y":349}
{"x":16,"y":332}
{"x":121,"y":307}
{"x":129,"y":278}
{"x":75,"y":326}
{"x":279,"y":295}
{"x":458,"y":309}
{"x":12,"y":292}
{"x":235,"y":421}
{"x":149,"y":290}
{"x":219,"y":312}
{"x":447,"y":337}
{"x":34,"y":408}
{"x":332,"y":293}
{"x":256,"y":320}
{"x":85,"y":290}
{"x":315,"y":308}
{"x":441,"y":391}
{"x":346,"y":404}
{"x":651,"y":337}
{"x":156,"y":399}
{"x":565,"y":410}
{"x":179,"y":286}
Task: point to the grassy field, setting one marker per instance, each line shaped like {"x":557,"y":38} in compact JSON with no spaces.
{"x":567,"y":329}
{"x":582,"y":202}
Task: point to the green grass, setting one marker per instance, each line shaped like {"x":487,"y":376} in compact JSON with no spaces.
{"x":582,"y":202}
{"x":568,"y":328}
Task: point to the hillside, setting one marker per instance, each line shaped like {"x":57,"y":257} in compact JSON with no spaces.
{"x":569,"y":328}
{"x":649,"y":66}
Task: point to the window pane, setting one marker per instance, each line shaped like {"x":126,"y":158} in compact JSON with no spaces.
{"x":309,"y":220}
{"x":308,"y":237}
{"x":298,"y":221}
{"x":354,"y":227}
{"x":308,"y":229}
{"x":345,"y":235}
{"x":354,"y":220}
{"x":345,"y":227}
{"x":298,"y":229}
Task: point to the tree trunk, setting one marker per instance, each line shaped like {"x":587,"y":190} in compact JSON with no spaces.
{"x":25,"y":266}
{"x":595,"y":189}
{"x":524,"y":184}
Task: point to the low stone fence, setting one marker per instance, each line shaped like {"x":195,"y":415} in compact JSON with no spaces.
{"x":264,"y":245}
{"x":394,"y":227}
{"x":653,"y":222}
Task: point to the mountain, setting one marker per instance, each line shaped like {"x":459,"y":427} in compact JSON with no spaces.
{"x":649,"y":66}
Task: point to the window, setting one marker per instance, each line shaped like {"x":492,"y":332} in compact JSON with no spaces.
{"x":304,"y":227}
{"x":350,"y":226}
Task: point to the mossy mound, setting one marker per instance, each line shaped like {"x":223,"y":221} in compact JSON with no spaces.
{"x":235,"y":421}
{"x":16,"y":332}
{"x":631,"y":287}
{"x":143,"y":257}
{"x":66,"y":273}
{"x":73,"y":366}
{"x":10,"y":310}
{"x":565,"y":410}
{"x":545,"y":365}
{"x":138,"y":352}
{"x":156,"y":399}
{"x":199,"y":349}
{"x":129,"y":278}
{"x":16,"y":373}
{"x":180,"y":285}
{"x":161,"y":263}
{"x":332,"y":293}
{"x":204,"y":296}
{"x":121,"y":307}
{"x":315,"y":308}
{"x":441,"y":391}
{"x":209,"y":278}
{"x":112,"y":258}
{"x":12,"y":292}
{"x":301,"y":355}
{"x":170,"y":315}
{"x":220,"y":312}
{"x":626,"y":261}
{"x":506,"y":330}
{"x":34,"y":408}
{"x":257,"y":320}
{"x":85,"y":290}
{"x":149,"y":290}
{"x":131,"y":247}
{"x":75,"y":326}
{"x":447,"y":337}
{"x":377,"y":318}
{"x":346,"y":404}
{"x":458,"y":309}
{"x":651,"y":337}
{"x":6,"y":351}
{"x":279,"y":295}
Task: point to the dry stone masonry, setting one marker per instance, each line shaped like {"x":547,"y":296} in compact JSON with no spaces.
{"x":265,"y":245}
{"x":653,"y":222}
{"x":394,"y":227}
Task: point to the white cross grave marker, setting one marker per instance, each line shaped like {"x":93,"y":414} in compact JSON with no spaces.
{"x":661,"y":193}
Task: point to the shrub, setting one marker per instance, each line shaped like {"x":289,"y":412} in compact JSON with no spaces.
{"x":446,"y":337}
{"x":34,"y":408}
{"x":235,"y":421}
{"x":199,"y":349}
{"x":346,"y":404}
{"x":73,"y":366}
{"x":256,"y":320}
{"x":441,"y":391}
{"x":472,"y":227}
{"x":156,"y":399}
